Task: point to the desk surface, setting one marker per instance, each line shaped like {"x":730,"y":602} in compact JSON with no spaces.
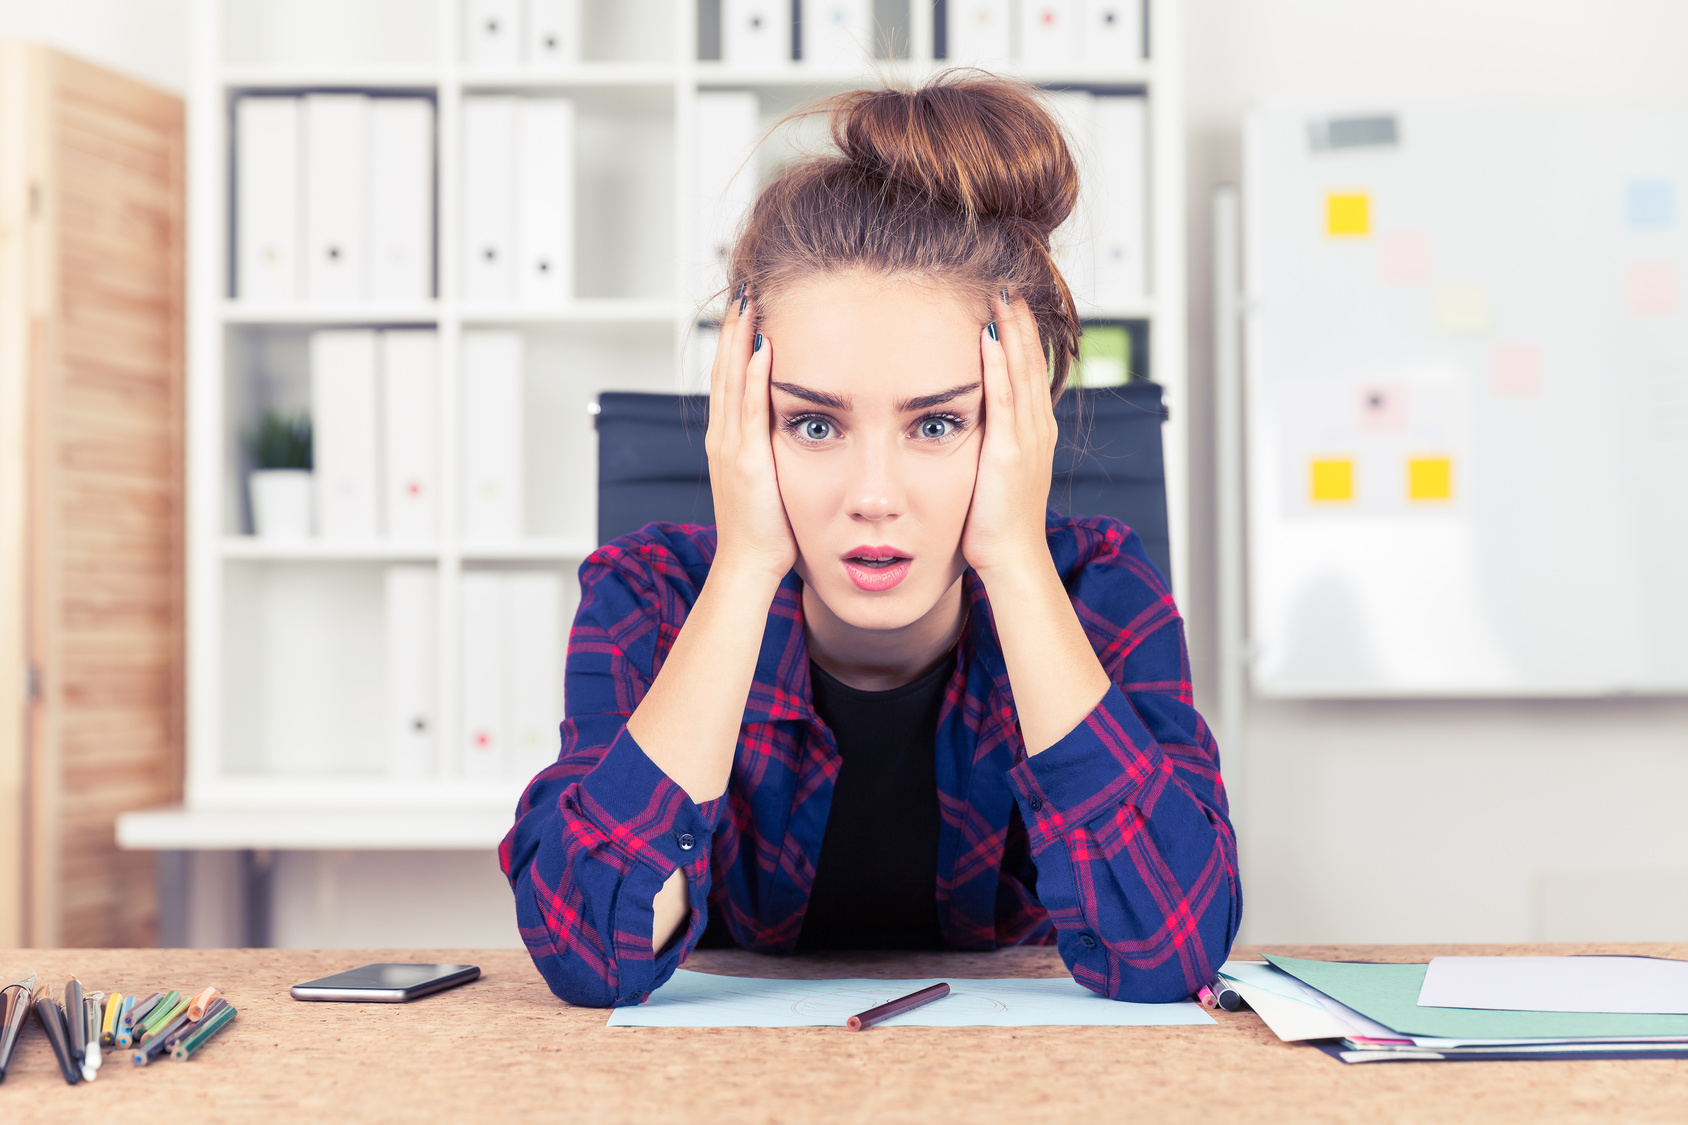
{"x":504,"y":1049}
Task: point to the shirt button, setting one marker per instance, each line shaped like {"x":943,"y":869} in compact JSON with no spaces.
{"x":1036,"y":803}
{"x":686,"y":841}
{"x":1087,"y":941}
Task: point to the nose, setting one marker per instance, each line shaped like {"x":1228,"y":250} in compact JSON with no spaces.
{"x":876,"y":492}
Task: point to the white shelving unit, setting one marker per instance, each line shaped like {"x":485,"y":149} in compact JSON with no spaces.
{"x":636,"y":95}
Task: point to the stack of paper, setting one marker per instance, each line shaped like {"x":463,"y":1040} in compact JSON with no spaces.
{"x":1473,"y":1008}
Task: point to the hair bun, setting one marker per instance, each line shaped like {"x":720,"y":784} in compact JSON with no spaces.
{"x":984,"y":146}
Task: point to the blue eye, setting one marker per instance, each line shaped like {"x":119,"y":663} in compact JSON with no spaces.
{"x":934,"y":428}
{"x":817,"y":429}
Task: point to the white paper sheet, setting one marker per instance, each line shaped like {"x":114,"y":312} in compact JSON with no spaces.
{"x":705,"y":1000}
{"x":1635,"y":985}
{"x":1294,"y":1011}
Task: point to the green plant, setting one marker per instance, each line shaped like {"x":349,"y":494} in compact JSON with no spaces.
{"x":279,"y":441}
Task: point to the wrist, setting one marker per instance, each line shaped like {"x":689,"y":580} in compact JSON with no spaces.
{"x":1019,"y":572}
{"x":736,"y":577}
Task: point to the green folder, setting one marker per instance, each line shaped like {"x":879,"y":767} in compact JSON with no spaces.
{"x":1389,"y":995}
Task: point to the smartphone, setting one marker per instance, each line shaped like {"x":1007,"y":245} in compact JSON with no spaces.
{"x":385,"y":983}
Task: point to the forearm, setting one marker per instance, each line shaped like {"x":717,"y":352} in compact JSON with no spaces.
{"x":1056,"y":677}
{"x":688,"y":722}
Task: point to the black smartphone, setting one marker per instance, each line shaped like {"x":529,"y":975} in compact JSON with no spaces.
{"x":385,"y":983}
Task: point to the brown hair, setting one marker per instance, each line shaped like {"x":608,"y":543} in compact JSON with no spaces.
{"x":959,"y":182}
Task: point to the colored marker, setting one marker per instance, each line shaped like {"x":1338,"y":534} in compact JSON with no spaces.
{"x":196,"y":1010}
{"x":203,"y":1032}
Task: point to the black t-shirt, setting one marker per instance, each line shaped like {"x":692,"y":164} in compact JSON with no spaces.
{"x":876,"y":884}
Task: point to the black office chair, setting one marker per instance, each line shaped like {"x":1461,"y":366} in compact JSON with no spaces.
{"x":652,"y":465}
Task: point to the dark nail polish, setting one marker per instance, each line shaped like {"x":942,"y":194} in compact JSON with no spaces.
{"x":744,"y":303}
{"x":757,"y":346}
{"x":738,"y":291}
{"x":1006,"y":299}
{"x":991,"y":328}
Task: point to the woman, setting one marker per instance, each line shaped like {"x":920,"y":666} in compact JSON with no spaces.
{"x":889,"y":700}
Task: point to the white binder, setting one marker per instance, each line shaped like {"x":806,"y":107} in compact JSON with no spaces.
{"x":545,"y":201}
{"x":410,"y":433}
{"x":482,"y":751}
{"x":412,"y":654}
{"x":756,"y":34}
{"x":344,"y":434}
{"x":489,"y":199}
{"x":1049,"y":33}
{"x":976,"y":31}
{"x":492,"y":436}
{"x":401,"y":259}
{"x":1111,"y":32}
{"x":532,"y":669}
{"x":266,"y":204}
{"x":492,"y":34}
{"x":336,"y":197}
{"x":837,"y":34}
{"x":1119,"y":199}
{"x":553,"y":33}
{"x":1074,"y":242}
{"x":727,"y":132}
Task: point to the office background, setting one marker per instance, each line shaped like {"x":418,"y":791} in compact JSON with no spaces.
{"x":1361,"y":821}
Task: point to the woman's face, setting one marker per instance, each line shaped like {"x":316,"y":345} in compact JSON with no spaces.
{"x":876,"y":412}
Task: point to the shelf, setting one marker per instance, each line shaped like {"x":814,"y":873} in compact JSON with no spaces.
{"x":586,"y":75}
{"x":715,"y":75}
{"x":244,"y":312}
{"x":1137,"y":310}
{"x":530,"y":550}
{"x":308,"y":829}
{"x":250,"y":547}
{"x":307,"y":78}
{"x":608,"y":310}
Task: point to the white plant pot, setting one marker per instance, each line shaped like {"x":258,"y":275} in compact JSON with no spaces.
{"x":281,"y":503}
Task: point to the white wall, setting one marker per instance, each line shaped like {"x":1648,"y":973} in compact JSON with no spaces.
{"x":1468,"y":821}
{"x":145,"y":39}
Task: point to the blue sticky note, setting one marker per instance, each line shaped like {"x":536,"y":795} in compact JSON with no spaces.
{"x":1650,"y":204}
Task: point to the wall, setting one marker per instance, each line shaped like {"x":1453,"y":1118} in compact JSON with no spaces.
{"x":1427,"y":821}
{"x":145,"y":39}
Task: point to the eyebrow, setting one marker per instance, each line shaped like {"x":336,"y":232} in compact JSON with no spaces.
{"x":904,"y":406}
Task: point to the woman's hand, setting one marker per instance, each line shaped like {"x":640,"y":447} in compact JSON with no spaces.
{"x":1005,"y":525}
{"x":754,"y":535}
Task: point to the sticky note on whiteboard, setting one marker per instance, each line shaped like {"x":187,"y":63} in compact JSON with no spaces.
{"x":1462,"y":310}
{"x":1430,"y":478}
{"x":1332,"y":480}
{"x":1404,"y":259}
{"x":1651,"y":288}
{"x":1515,"y":370}
{"x":1347,"y":214}
{"x":1650,"y":204}
{"x":1383,"y":408}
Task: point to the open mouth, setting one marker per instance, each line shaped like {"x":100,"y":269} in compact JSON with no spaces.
{"x":876,"y":568}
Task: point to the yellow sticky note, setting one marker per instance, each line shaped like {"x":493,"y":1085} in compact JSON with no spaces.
{"x":1333,"y":480}
{"x":1462,"y":310}
{"x":1430,"y":478}
{"x":1347,"y":214}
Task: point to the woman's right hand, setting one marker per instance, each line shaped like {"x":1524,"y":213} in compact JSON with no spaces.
{"x":753,"y":533}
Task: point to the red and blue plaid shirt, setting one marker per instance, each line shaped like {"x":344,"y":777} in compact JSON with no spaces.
{"x":1114,"y":843}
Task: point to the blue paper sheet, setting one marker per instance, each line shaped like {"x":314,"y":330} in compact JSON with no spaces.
{"x":705,"y":1000}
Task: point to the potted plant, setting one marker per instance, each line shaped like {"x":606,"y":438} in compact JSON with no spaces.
{"x":279,"y":485}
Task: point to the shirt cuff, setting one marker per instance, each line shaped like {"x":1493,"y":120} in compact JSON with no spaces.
{"x":1099,"y":766}
{"x":642,"y":812}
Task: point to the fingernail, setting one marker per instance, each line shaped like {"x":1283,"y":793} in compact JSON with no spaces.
{"x":1005,"y":298}
{"x":757,"y":346}
{"x":744,"y":301}
{"x":738,"y":291}
{"x":991,"y":328}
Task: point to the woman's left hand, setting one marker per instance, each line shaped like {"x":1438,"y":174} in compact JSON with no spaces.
{"x":1005,"y":525}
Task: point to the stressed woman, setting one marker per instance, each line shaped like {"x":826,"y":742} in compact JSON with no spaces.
{"x":889,"y":700}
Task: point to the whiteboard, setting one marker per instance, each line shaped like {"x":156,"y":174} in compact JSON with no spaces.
{"x":1467,"y":402}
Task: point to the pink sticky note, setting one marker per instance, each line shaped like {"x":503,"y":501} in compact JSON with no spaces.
{"x":1383,"y":408}
{"x":1404,"y":259}
{"x":1652,"y":288}
{"x":1515,"y":369}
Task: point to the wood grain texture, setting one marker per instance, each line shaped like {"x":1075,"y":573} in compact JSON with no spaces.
{"x":504,"y":1049}
{"x":105,"y":523}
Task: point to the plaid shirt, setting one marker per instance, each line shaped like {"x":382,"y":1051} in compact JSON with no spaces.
{"x":1114,"y":843}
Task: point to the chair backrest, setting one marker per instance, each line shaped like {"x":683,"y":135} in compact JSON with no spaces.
{"x":652,"y":465}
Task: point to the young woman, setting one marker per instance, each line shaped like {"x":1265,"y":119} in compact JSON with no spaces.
{"x":889,"y":700}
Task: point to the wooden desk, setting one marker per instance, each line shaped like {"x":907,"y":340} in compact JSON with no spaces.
{"x":503,"y":1049}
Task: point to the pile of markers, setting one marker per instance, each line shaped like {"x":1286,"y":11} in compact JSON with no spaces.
{"x":80,"y":1026}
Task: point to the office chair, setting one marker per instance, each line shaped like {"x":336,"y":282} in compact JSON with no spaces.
{"x":652,"y":465}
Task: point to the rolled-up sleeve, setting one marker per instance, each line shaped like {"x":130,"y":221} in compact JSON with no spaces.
{"x":598,"y":833}
{"x":1127,"y":815}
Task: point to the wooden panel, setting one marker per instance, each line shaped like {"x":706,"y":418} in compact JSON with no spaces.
{"x":107,"y":519}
